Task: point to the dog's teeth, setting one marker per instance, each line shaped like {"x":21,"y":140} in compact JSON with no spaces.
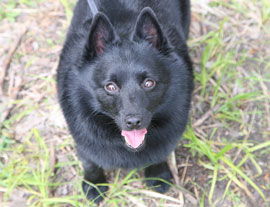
{"x":127,"y":142}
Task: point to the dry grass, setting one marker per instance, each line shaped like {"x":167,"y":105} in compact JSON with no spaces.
{"x":224,"y":158}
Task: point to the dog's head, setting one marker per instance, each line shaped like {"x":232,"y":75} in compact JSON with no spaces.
{"x":129,"y":78}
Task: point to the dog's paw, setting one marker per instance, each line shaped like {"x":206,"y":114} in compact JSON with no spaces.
{"x":158,"y":185}
{"x":92,"y":193}
{"x":159,"y":171}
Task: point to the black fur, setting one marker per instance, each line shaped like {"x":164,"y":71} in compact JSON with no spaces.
{"x":126,"y":43}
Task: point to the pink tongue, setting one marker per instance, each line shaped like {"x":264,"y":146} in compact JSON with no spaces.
{"x":135,"y":137}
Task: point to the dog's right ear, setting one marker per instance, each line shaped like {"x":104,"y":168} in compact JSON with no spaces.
{"x":101,"y":35}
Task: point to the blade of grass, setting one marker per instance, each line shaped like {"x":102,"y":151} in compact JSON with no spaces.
{"x":237,"y":170}
{"x":214,"y":180}
{"x":259,"y":146}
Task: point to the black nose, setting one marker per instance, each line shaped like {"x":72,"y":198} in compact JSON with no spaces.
{"x":133,"y":122}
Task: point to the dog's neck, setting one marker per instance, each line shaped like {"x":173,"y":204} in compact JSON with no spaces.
{"x":93,"y":7}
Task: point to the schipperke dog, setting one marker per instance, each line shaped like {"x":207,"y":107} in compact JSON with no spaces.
{"x":124,"y":84}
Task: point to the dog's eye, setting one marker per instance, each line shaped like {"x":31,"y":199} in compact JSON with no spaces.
{"x":111,"y":87}
{"x":148,"y":83}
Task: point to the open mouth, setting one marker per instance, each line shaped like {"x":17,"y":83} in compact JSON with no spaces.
{"x":134,"y":138}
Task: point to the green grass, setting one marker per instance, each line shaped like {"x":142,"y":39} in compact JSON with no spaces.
{"x":220,"y":161}
{"x":7,"y":11}
{"x":68,"y":5}
{"x":34,"y":175}
{"x":218,"y":75}
{"x":8,"y":8}
{"x":265,"y":11}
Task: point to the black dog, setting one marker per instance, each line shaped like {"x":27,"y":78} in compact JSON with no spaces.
{"x":124,"y":83}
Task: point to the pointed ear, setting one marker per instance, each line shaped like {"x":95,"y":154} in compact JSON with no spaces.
{"x":102,"y":34}
{"x":148,"y":28}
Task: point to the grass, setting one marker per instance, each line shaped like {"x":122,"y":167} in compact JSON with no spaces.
{"x":8,"y":8}
{"x":68,"y":5}
{"x":229,"y":149}
{"x":7,"y":11}
{"x":218,"y":159}
{"x":33,"y":174}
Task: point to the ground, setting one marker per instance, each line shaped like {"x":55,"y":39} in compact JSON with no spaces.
{"x":223,"y":158}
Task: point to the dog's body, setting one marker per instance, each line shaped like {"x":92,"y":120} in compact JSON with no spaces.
{"x":124,"y":83}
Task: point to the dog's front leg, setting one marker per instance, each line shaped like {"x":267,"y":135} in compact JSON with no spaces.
{"x":95,"y":175}
{"x":162,"y":171}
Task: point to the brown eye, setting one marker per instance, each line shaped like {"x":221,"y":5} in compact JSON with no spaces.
{"x":111,"y":88}
{"x":149,"y":83}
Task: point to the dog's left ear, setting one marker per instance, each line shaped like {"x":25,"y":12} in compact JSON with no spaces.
{"x":148,"y":28}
